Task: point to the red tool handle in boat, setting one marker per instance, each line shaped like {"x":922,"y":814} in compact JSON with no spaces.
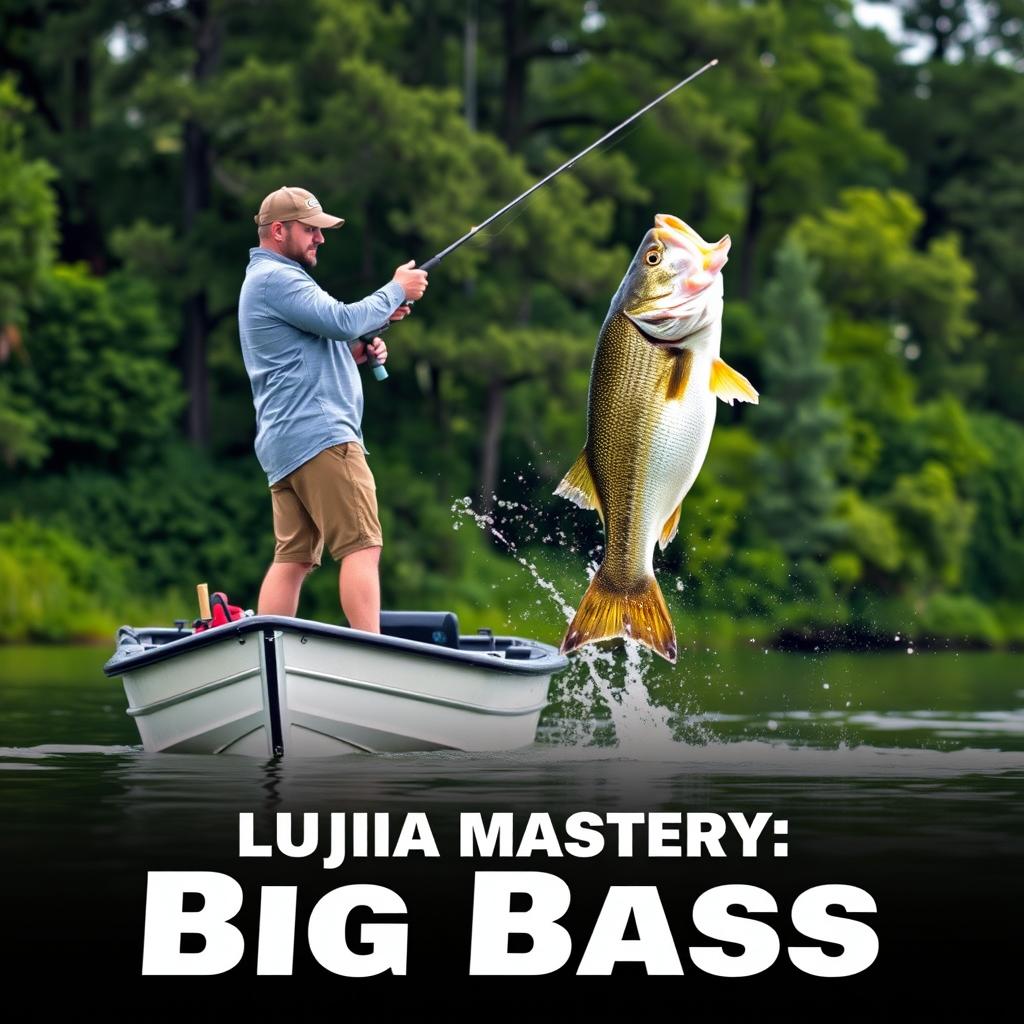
{"x":223,"y":612}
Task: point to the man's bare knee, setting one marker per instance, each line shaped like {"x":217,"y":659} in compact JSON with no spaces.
{"x":364,"y":556}
{"x":279,"y":594}
{"x":302,"y":569}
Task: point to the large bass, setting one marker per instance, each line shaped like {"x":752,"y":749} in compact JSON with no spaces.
{"x":653,"y":386}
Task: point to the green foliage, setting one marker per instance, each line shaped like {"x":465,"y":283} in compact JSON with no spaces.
{"x":995,"y":557}
{"x":934,"y":524}
{"x":177,"y":521}
{"x":959,"y":620}
{"x":712,"y":518}
{"x":52,"y":587}
{"x":871,"y":534}
{"x":874,"y":392}
{"x":28,"y":213}
{"x":148,"y":251}
{"x":21,"y":425}
{"x":94,"y":372}
{"x":28,"y":235}
{"x":867,"y":494}
{"x":938,"y":430}
{"x":961,"y":124}
{"x":795,"y":503}
{"x":1011,"y":622}
{"x":871,"y":269}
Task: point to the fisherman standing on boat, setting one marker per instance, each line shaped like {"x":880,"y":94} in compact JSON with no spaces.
{"x":301,"y":350}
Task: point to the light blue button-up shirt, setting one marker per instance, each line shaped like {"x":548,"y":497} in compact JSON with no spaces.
{"x":305,"y":386}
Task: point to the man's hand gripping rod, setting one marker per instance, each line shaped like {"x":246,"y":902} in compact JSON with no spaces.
{"x":378,"y":371}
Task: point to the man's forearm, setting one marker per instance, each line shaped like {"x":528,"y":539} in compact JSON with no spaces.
{"x":301,"y":302}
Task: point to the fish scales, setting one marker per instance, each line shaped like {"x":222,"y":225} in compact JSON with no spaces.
{"x":651,"y":410}
{"x":627,"y":373}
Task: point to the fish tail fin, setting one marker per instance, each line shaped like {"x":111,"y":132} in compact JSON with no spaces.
{"x":607,"y":612}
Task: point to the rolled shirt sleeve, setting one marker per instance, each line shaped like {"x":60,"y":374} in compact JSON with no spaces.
{"x":300,"y":301}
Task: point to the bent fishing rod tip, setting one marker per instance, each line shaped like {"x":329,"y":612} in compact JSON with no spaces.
{"x":378,"y":371}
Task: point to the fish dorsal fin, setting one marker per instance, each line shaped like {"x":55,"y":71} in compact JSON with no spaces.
{"x":578,"y":486}
{"x":679,"y":374}
{"x":729,"y":385}
{"x":670,"y":529}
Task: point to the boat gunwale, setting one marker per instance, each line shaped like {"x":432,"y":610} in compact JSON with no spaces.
{"x":551,"y":661}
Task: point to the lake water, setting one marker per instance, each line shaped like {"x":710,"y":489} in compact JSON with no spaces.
{"x":900,"y":774}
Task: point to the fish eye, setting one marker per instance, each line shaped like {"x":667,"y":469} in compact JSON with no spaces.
{"x":652,"y":257}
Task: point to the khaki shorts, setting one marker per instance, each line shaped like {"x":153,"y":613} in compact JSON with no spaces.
{"x":332,"y":500}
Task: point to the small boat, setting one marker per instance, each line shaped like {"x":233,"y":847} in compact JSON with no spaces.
{"x":272,"y":686}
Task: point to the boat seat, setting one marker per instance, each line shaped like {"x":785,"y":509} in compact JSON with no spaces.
{"x":439,"y":628}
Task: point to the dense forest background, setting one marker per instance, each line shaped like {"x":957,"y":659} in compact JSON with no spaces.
{"x":874,"y":192}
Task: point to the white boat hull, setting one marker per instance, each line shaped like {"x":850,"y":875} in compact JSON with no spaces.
{"x":266,"y":691}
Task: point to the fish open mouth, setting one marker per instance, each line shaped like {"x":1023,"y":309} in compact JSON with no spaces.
{"x":674,"y":231}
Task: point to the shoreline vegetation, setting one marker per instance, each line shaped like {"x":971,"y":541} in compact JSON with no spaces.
{"x":873,"y":190}
{"x":76,"y":594}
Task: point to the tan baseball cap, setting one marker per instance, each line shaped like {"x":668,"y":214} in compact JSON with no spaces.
{"x":290,"y":203}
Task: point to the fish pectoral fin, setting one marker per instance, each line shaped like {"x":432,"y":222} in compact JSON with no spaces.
{"x":670,"y":529}
{"x":729,"y":385}
{"x":578,"y":486}
{"x":679,"y":375}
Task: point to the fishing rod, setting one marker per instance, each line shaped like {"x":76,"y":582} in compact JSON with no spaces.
{"x":378,"y":371}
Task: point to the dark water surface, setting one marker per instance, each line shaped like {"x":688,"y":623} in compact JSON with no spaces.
{"x":899,"y":774}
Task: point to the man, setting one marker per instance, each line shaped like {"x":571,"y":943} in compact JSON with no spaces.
{"x":301,"y":349}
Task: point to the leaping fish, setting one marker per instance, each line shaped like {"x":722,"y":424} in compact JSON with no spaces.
{"x":653,"y":386}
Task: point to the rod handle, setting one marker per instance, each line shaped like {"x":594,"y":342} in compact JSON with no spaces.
{"x":379,"y":372}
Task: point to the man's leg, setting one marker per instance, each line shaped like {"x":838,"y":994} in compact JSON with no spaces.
{"x":279,"y":594}
{"x":359,"y":584}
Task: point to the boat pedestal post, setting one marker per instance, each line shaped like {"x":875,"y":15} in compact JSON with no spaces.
{"x":274,"y":699}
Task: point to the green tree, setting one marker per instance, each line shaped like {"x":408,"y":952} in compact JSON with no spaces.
{"x":995,"y":555}
{"x":960,"y":121}
{"x":95,"y":371}
{"x":872,"y":270}
{"x":934,"y":524}
{"x":28,"y":235}
{"x":795,"y":502}
{"x":959,"y":28}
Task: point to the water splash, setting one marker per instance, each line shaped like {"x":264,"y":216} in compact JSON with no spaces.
{"x":606,"y":692}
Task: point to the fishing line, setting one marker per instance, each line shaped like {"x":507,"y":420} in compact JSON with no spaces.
{"x":493,"y":233}
{"x":378,"y":371}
